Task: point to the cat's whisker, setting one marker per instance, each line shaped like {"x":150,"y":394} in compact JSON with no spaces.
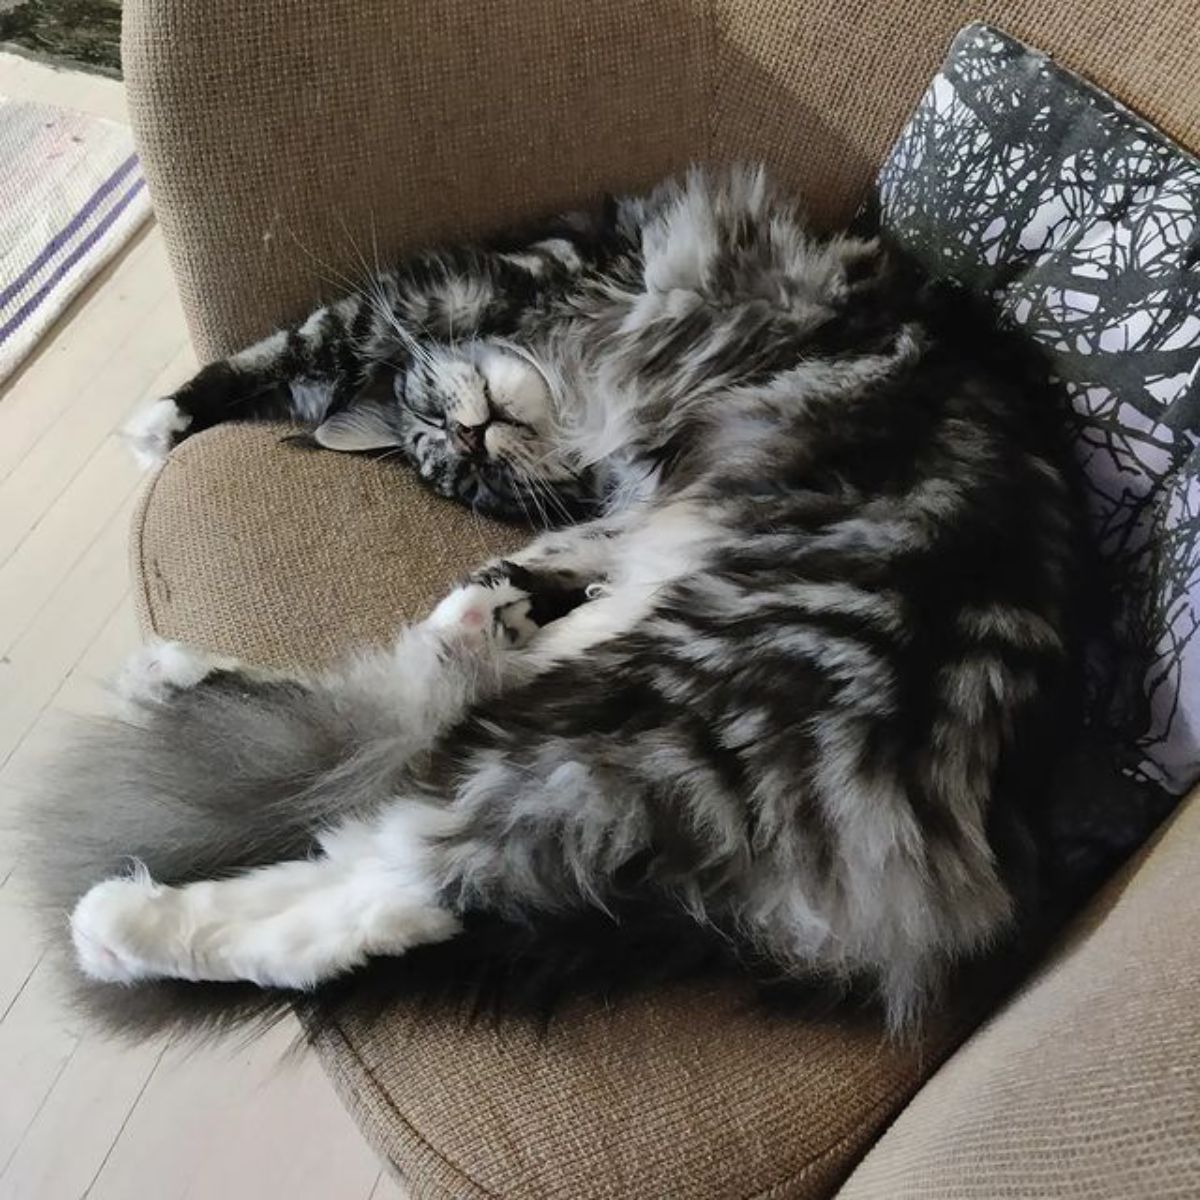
{"x":524,"y":509}
{"x":367,"y":274}
{"x":540,"y":486}
{"x":535,"y":495}
{"x":532,"y":496}
{"x":520,"y":460}
{"x":555,"y":502}
{"x":374,"y":243}
{"x":416,"y":348}
{"x":555,"y":458}
{"x":477,"y":528}
{"x":327,"y":273}
{"x":429,"y":338}
{"x":551,"y":456}
{"x":384,"y":309}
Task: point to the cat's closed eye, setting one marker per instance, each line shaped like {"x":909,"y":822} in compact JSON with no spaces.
{"x":434,"y":420}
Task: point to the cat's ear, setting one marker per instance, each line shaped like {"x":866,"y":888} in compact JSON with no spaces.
{"x":353,"y":430}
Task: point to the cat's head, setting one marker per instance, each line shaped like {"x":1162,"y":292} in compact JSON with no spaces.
{"x":477,"y":423}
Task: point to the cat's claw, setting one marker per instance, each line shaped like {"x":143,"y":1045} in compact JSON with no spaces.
{"x":154,"y":430}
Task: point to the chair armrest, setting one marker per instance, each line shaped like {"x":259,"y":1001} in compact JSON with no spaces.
{"x":1086,"y":1082}
{"x":280,"y":139}
{"x":283,"y":140}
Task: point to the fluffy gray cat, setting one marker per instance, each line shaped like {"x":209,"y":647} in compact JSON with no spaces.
{"x":781,"y":692}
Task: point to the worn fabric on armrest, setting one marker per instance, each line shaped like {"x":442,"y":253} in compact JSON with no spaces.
{"x":1088,"y":1082}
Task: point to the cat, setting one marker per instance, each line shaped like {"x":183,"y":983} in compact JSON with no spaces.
{"x":781,"y":687}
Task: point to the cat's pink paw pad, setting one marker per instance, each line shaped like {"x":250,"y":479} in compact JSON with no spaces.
{"x":477,"y":609}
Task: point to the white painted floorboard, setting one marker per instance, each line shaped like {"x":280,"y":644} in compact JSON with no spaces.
{"x":81,"y":1117}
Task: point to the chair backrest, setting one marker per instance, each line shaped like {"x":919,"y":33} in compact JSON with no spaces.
{"x":286,"y":144}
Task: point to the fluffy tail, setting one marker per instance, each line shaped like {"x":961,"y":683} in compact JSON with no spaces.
{"x":234,"y":774}
{"x":228,"y":775}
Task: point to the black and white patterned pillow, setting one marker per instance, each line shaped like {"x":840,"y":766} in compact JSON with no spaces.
{"x":1024,"y":182}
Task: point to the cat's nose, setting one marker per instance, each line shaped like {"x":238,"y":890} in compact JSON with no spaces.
{"x":468,"y":439}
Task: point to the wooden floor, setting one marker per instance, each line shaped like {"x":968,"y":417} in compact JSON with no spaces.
{"x":79,"y":1117}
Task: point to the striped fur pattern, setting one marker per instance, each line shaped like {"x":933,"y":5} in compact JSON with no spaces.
{"x":785,"y":697}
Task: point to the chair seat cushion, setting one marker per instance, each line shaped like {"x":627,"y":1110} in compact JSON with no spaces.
{"x":281,"y":555}
{"x":255,"y":548}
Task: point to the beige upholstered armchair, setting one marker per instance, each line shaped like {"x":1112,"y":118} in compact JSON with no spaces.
{"x":286,"y":139}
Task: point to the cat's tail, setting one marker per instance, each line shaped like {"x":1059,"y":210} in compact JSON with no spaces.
{"x":236,"y":773}
{"x":199,"y":783}
{"x":218,"y":773}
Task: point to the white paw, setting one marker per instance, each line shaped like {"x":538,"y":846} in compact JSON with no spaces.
{"x":153,"y":670}
{"x":115,"y":926}
{"x":498,"y":609}
{"x":153,"y":430}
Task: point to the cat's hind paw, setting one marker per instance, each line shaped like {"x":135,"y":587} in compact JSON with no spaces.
{"x":114,"y":929}
{"x":154,"y":430}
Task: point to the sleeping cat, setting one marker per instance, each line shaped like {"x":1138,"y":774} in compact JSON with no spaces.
{"x":780,"y":691}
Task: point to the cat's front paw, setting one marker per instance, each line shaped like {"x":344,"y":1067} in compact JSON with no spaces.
{"x":153,"y":431}
{"x":511,"y":602}
{"x":496,"y":609}
{"x":159,"y":667}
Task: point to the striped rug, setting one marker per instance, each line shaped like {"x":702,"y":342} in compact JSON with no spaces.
{"x":71,"y":194}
